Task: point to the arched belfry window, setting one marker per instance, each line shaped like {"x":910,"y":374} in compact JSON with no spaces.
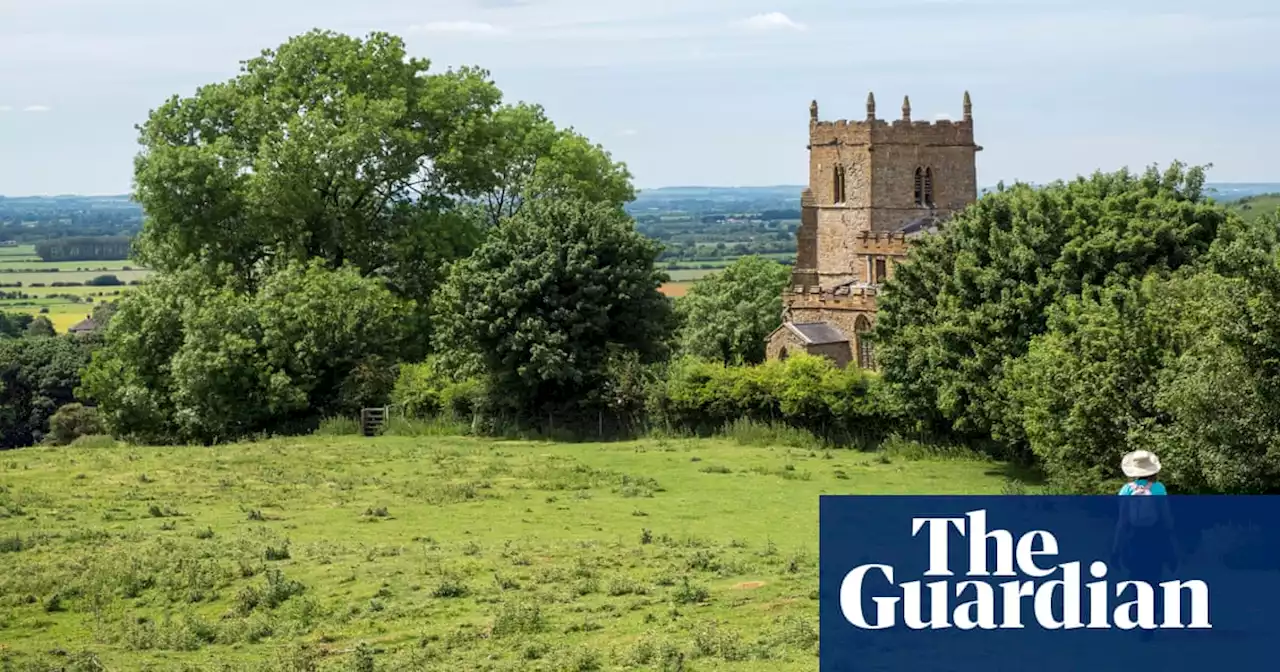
{"x":866,"y":357}
{"x":837,"y":185}
{"x":928,"y":187}
{"x":919,"y":198}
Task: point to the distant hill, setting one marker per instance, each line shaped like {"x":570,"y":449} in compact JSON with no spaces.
{"x":689,"y":199}
{"x":1252,"y":207}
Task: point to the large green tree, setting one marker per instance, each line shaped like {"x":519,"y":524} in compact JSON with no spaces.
{"x":727,"y":316}
{"x":549,"y":298}
{"x":969,"y":300}
{"x":349,"y":151}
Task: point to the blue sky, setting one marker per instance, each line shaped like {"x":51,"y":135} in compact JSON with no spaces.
{"x":709,"y":92}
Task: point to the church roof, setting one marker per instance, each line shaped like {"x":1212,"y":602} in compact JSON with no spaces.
{"x":818,"y":333}
{"x":86,"y":324}
{"x":926,"y":224}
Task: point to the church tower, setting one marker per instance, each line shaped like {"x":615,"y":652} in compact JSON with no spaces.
{"x":873,"y":185}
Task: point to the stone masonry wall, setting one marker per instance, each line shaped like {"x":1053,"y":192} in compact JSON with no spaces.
{"x":783,"y":339}
{"x":838,"y":254}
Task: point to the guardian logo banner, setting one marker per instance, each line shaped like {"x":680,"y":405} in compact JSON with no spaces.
{"x":960,"y":584}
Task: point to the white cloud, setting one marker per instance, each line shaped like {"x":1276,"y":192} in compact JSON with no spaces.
{"x":36,"y":108}
{"x":459,"y":28}
{"x":771,"y":21}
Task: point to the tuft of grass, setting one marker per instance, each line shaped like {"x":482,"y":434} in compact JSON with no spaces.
{"x":753,"y":433}
{"x":338,"y":426}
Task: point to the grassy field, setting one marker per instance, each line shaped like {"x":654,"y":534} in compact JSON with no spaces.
{"x":429,"y":553}
{"x":20,"y":264}
{"x":1256,"y":206}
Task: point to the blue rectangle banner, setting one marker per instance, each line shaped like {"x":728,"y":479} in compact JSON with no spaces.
{"x":1088,"y":583}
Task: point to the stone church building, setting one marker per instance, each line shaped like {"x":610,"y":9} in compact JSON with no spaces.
{"x":873,"y":186}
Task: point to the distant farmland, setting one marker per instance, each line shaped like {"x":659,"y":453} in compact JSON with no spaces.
{"x":23,"y":273}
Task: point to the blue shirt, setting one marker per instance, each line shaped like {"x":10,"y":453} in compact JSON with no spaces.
{"x":1157,"y":488}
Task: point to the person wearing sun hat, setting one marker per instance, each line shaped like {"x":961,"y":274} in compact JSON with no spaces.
{"x":1144,"y":541}
{"x":1141,"y":466}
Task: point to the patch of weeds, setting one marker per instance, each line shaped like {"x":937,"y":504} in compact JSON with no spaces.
{"x":587,"y":586}
{"x":518,"y":618}
{"x":658,"y":653}
{"x":641,"y":486}
{"x":273,"y":553}
{"x":13,"y":544}
{"x":646,"y":537}
{"x":362,"y":659}
{"x":157,"y":511}
{"x":712,"y":641}
{"x":505,"y":582}
{"x":1013,"y":486}
{"x":451,"y":586}
{"x":377,"y":513}
{"x":276,"y":591}
{"x":716,"y":469}
{"x":535,"y":650}
{"x":703,"y":561}
{"x":580,"y":659}
{"x":53,"y":604}
{"x":689,"y":593}
{"x":794,"y":632}
{"x":625,"y":585}
{"x":206,"y":533}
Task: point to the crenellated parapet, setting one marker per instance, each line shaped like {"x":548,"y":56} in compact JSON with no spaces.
{"x":873,"y":131}
{"x":845,"y":297}
{"x":885,"y":243}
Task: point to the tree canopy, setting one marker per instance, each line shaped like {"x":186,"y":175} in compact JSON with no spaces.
{"x":37,"y":376}
{"x":969,"y":300}
{"x":347,"y":150}
{"x":185,"y":361}
{"x":726,"y":317}
{"x":541,"y":305}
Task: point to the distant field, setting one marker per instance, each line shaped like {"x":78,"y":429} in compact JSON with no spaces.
{"x":676,"y":288}
{"x":26,"y":277}
{"x":19,"y":264}
{"x":1257,"y":206}
{"x":697,"y":270}
{"x":689,"y":275}
{"x":25,"y":264}
{"x":435,"y":553}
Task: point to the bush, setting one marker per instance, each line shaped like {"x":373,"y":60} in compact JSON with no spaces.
{"x":108,"y":280}
{"x":73,"y":421}
{"x":418,"y":388}
{"x":424,"y":390}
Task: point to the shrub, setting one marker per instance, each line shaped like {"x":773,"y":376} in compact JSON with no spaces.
{"x":108,"y":280}
{"x":418,"y":388}
{"x":804,"y":392}
{"x":71,"y":422}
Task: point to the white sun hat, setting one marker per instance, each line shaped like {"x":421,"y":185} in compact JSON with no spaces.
{"x":1140,"y":464}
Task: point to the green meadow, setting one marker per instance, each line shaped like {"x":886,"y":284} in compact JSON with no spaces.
{"x":430,"y":552}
